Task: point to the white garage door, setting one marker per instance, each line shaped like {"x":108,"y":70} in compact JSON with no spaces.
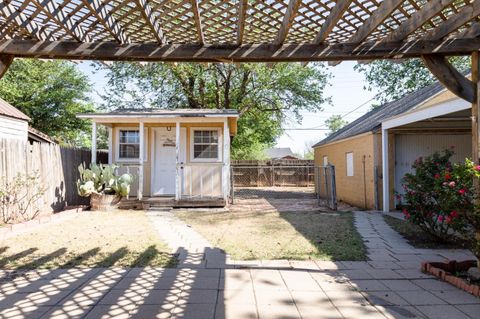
{"x":410,"y":147}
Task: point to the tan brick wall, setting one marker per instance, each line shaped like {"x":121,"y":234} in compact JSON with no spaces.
{"x":359,"y":189}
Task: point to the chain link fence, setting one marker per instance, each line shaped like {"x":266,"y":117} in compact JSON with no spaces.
{"x":284,"y":182}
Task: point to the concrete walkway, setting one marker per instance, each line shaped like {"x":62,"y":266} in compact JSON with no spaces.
{"x":206,"y":285}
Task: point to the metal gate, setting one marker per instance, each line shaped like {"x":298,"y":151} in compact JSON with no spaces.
{"x":284,"y":182}
{"x":325,"y":186}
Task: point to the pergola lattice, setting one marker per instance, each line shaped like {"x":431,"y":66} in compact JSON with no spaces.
{"x":251,"y":31}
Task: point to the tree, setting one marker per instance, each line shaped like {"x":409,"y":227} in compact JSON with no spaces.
{"x":394,"y":80}
{"x":51,"y":93}
{"x":263,"y":95}
{"x":335,"y":122}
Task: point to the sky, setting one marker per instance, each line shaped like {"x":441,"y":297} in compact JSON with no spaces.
{"x":348,"y":96}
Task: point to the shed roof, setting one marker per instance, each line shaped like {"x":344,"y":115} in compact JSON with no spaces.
{"x":9,"y":110}
{"x":373,"y":119}
{"x":151,"y":112}
{"x":279,"y":152}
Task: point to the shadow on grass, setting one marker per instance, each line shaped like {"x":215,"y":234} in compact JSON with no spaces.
{"x":62,"y":258}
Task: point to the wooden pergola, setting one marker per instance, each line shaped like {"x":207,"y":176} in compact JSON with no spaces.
{"x":250,"y":31}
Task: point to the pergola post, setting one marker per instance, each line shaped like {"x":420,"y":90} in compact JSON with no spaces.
{"x":385,"y":170}
{"x":178,"y":190}
{"x":140,"y":160}
{"x":475,"y":113}
{"x":94,"y":143}
{"x":226,"y":160}
{"x":110,"y":145}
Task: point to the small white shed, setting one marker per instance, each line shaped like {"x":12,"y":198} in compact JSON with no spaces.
{"x":13,"y":123}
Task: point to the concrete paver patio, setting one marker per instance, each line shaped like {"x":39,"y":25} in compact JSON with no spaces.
{"x":206,"y":284}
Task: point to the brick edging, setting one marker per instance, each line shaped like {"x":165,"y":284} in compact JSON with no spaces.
{"x":11,"y":230}
{"x":444,"y":272}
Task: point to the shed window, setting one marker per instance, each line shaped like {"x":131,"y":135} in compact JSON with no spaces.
{"x":129,"y":144}
{"x":325,"y":161}
{"x":205,"y":144}
{"x":349,"y":161}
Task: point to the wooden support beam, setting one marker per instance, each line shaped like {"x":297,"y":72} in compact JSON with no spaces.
{"x":453,"y":80}
{"x":198,"y":21}
{"x":107,"y":20}
{"x":5,"y":61}
{"x":456,"y":21}
{"x":418,"y":18}
{"x":152,"y":52}
{"x":335,"y":15}
{"x":242,"y":17}
{"x":383,"y":12}
{"x":287,"y":22}
{"x":476,"y":113}
{"x":12,"y":15}
{"x":153,"y":23}
{"x":54,"y":12}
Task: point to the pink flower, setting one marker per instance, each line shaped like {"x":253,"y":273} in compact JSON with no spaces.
{"x":437,"y":176}
{"x":451,"y":184}
{"x":462,"y":191}
{"x":477,"y":168}
{"x":448,"y":220}
{"x":453,"y":214}
{"x":440,"y":218}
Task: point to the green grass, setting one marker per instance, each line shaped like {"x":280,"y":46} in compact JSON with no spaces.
{"x":92,"y":239}
{"x":286,"y":235}
{"x":418,"y":238}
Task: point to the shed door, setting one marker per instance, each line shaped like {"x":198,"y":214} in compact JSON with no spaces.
{"x":410,"y":147}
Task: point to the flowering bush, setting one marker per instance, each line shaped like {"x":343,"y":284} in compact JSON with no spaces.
{"x":438,"y":196}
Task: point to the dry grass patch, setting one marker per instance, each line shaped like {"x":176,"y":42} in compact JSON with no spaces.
{"x":93,"y":239}
{"x":286,"y":235}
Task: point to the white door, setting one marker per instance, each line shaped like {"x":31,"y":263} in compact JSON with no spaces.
{"x":410,"y":147}
{"x":164,"y":160}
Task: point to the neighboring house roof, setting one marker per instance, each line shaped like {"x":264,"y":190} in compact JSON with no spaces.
{"x":38,"y":136}
{"x":9,"y":110}
{"x":373,"y":119}
{"x":279,"y":152}
{"x":164,"y":113}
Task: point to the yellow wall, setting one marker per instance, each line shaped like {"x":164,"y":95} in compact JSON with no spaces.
{"x":148,"y":138}
{"x":357,"y":190}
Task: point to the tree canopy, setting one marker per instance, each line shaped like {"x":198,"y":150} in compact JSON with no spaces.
{"x":394,"y":80}
{"x":51,"y":93}
{"x":335,"y":122}
{"x":263,"y":95}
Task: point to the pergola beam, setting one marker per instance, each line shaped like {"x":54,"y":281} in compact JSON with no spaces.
{"x":383,"y":11}
{"x":288,"y":19}
{"x":465,"y":15}
{"x":198,"y":21}
{"x":332,"y":20}
{"x":11,"y":14}
{"x":428,"y":11}
{"x":112,"y":51}
{"x":453,"y":80}
{"x":152,"y":22}
{"x":105,"y":18}
{"x":56,"y":13}
{"x":5,"y":61}
{"x":242,"y":17}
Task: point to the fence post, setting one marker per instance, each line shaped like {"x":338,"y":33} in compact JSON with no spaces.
{"x":334,"y":187}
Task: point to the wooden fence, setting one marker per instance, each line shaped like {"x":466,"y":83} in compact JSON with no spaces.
{"x":57,"y":168}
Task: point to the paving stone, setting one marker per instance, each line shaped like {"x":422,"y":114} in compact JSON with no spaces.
{"x":307,"y":298}
{"x":385,"y":298}
{"x":346,"y":298}
{"x":383,"y":274}
{"x":369,"y":285}
{"x":286,"y":311}
{"x":236,"y":311}
{"x":470,"y":310}
{"x":401,"y":312}
{"x":401,"y":285}
{"x":457,"y":297}
{"x":442,"y":312}
{"x":66,"y":312}
{"x":360,"y":312}
{"x":240,"y":296}
{"x":153,"y":311}
{"x":198,"y":296}
{"x":320,"y":311}
{"x":273,"y":297}
{"x":296,"y":280}
{"x":421,"y":297}
{"x":32,"y":312}
{"x":110,"y":312}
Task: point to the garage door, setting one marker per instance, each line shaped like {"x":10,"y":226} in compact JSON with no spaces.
{"x":410,"y":147}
